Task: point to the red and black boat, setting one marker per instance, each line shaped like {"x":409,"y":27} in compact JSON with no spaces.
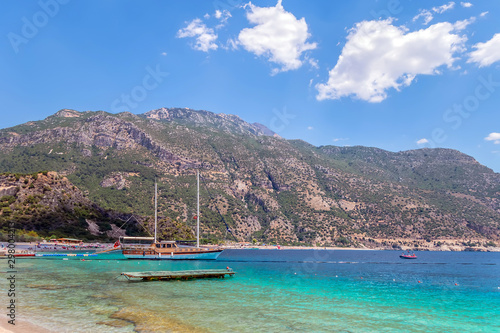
{"x":408,"y":255}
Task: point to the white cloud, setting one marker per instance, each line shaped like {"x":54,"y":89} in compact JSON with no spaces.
{"x":427,"y":15}
{"x":205,"y":37}
{"x":461,"y":25}
{"x":164,"y":53}
{"x":483,"y":14}
{"x":231,"y":44}
{"x":314,"y":63}
{"x":310,"y":128}
{"x":340,"y":139}
{"x":466,"y":4}
{"x":379,"y":56}
{"x":222,"y":16}
{"x":493,"y":137}
{"x":422,"y":141}
{"x":486,"y":53}
{"x":278,"y":35}
{"x":443,"y":8}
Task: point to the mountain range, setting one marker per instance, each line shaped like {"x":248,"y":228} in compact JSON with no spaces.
{"x":256,"y":186}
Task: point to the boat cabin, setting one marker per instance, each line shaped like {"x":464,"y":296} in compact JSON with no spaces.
{"x":166,"y":245}
{"x":136,"y":242}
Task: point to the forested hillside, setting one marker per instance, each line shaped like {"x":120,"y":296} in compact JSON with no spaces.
{"x":261,"y":186}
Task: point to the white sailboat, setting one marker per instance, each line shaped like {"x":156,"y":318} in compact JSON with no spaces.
{"x":151,"y":248}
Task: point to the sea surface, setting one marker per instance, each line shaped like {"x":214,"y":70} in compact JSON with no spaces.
{"x":272,"y":291}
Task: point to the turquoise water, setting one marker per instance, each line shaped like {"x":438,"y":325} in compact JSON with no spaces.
{"x":273,"y":291}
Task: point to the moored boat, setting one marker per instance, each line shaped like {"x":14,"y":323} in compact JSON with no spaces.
{"x":408,"y":255}
{"x":29,"y":254}
{"x":151,"y":248}
{"x":17,"y":254}
{"x":139,"y":248}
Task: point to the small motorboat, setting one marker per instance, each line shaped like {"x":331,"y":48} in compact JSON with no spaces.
{"x":17,"y":254}
{"x":408,"y":255}
{"x":27,"y":254}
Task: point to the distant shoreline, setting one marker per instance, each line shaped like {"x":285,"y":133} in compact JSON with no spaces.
{"x":436,"y":249}
{"x":443,"y":248}
{"x":287,"y":247}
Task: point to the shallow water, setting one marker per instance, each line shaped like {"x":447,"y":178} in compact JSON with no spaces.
{"x":273,"y":290}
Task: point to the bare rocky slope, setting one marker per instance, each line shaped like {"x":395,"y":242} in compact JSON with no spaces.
{"x":258,"y":185}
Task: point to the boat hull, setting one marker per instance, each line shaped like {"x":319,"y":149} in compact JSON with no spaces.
{"x":408,"y":257}
{"x":17,"y":255}
{"x":209,"y":255}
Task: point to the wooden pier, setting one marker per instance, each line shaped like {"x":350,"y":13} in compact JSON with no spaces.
{"x":179,"y":275}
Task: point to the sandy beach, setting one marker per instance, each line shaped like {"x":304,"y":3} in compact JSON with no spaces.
{"x":445,"y":248}
{"x":286,"y":247}
{"x":20,"y":327}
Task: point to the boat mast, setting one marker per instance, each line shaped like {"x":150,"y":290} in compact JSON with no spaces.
{"x":198,"y":209}
{"x":156,"y":207}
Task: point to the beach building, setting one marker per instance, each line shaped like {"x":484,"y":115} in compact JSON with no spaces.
{"x":68,"y":241}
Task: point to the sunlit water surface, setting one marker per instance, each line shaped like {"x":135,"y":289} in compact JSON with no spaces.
{"x":273,"y":291}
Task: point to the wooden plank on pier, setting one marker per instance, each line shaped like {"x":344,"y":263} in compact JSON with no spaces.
{"x":179,"y":275}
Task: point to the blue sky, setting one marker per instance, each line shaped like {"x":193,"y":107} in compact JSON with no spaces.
{"x":392,"y":74}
